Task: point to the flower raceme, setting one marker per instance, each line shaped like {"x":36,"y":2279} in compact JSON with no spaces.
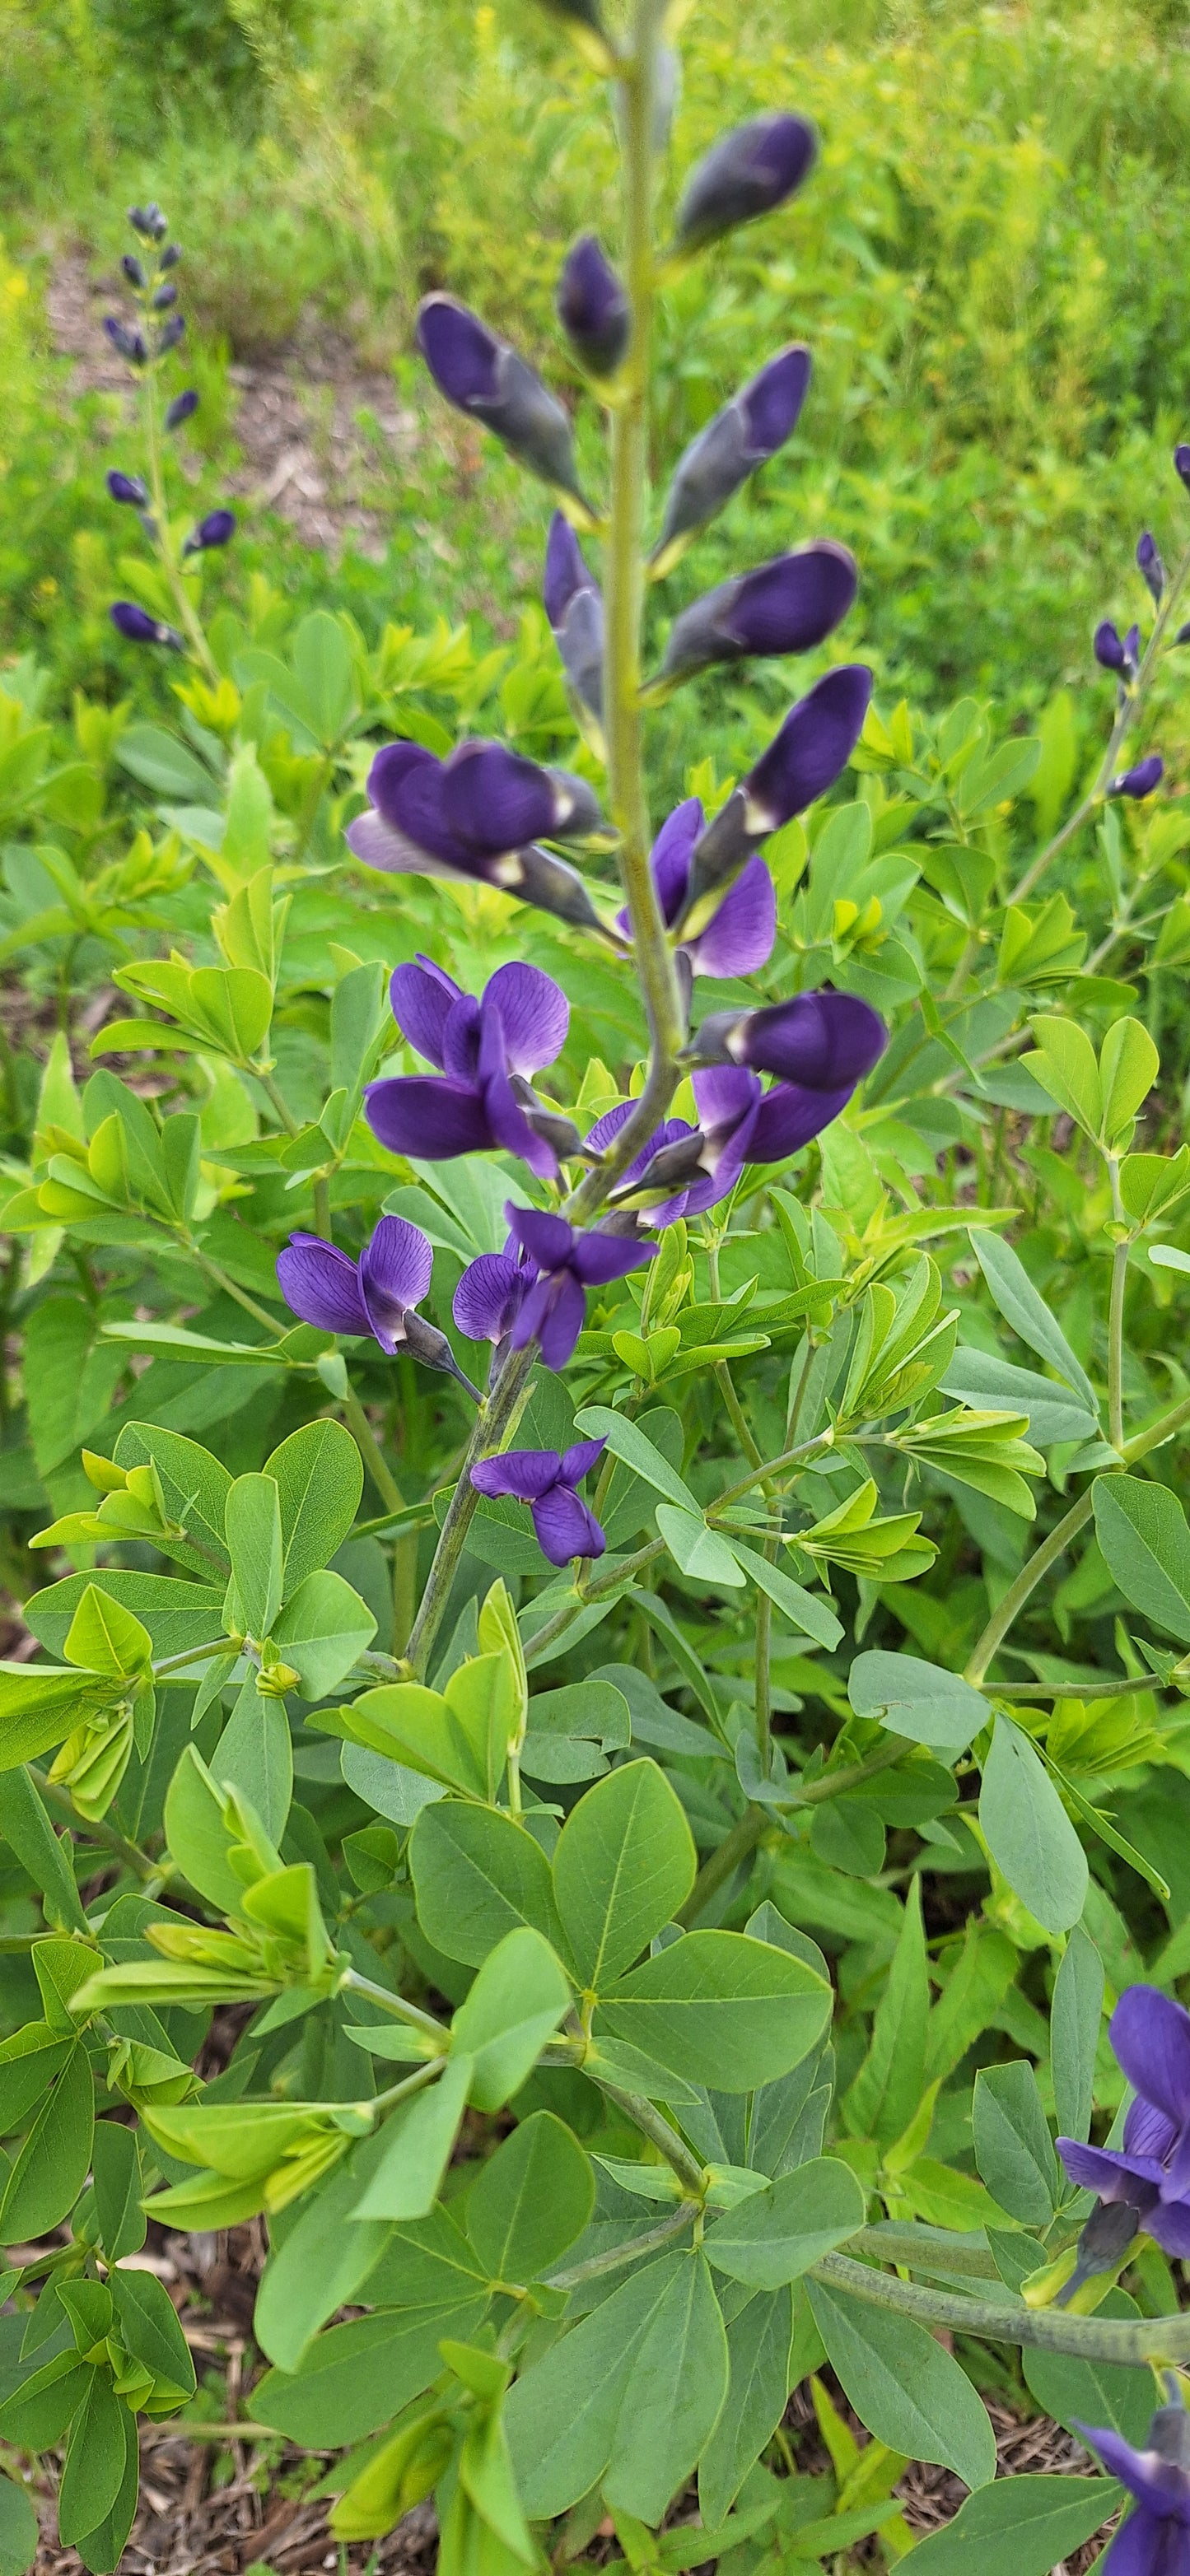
{"x":377,"y":1295}
{"x":481,"y":1099}
{"x":565,"y":1524}
{"x":478,"y":814}
{"x":1150,"y":2173}
{"x":1155,"y":2538}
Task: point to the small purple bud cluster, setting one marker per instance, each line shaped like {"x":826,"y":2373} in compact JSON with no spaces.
{"x":143,"y":344}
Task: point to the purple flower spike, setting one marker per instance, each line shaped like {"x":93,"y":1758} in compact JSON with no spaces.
{"x":593,"y":308}
{"x":1155,"y":2539}
{"x":482,"y":376}
{"x":738,"y":939}
{"x":741,"y":437}
{"x":747,"y":174}
{"x":803,"y":760}
{"x":786,"y":606}
{"x":1151,"y":2172}
{"x":567,"y":1264}
{"x":1148,"y":562}
{"x":574,"y":607}
{"x":565,"y":1525}
{"x":478,"y":814}
{"x":217,"y":529}
{"x":485,"y":1050}
{"x":139,"y":628}
{"x":128,"y":489}
{"x":183,"y":407}
{"x":1181,"y":464}
{"x":377,"y":1295}
{"x":1140,"y":781}
{"x":819,"y":1040}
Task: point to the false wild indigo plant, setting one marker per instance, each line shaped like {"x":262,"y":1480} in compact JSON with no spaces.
{"x":563,"y":1498}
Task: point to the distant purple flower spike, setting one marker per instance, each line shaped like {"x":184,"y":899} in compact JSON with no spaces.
{"x":816,"y":1039}
{"x":1140,"y":781}
{"x":128,"y":342}
{"x":183,"y":407}
{"x":1155,"y":2538}
{"x":1150,"y":2034}
{"x":128,"y":489}
{"x":748,"y":173}
{"x":478,"y":814}
{"x":139,"y":628}
{"x":740,"y":438}
{"x":1148,"y":563}
{"x":574,"y":606}
{"x":482,"y":376}
{"x":490,"y":1295}
{"x":568,"y":1264}
{"x":786,"y":606}
{"x":566,"y":1526}
{"x":378,"y":1294}
{"x":803,"y":760}
{"x":486,"y":1050}
{"x":738,"y":939}
{"x":217,"y":529}
{"x":593,"y":308}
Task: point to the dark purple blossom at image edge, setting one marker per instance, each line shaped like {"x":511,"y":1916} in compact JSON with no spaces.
{"x":565,"y":1525}
{"x":1150,"y":2034}
{"x":1154,"y":2539}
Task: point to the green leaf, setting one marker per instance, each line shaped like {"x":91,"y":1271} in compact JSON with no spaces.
{"x":46,"y":1856}
{"x":1145,"y":1542}
{"x":509,"y":2016}
{"x":319,"y":1480}
{"x":570,"y":1731}
{"x":758,"y":2344}
{"x":885,"y":2093}
{"x":38,"y":1708}
{"x":626,"y":1440}
{"x":19,"y":2529}
{"x":674,"y":2391}
{"x":320,"y":2263}
{"x":1022,"y":1307}
{"x":417,"y":2146}
{"x":198,"y":1839}
{"x":1029,"y":1833}
{"x":178,"y":1615}
{"x":531,"y":2200}
{"x":29,"y":2061}
{"x":776,"y":2235}
{"x":94,"y":2470}
{"x":105,"y":1638}
{"x":1019,"y":2526}
{"x":115,"y":2166}
{"x":1064,"y":1064}
{"x":163,"y":763}
{"x":254,"y":1754}
{"x":50,"y":2170}
{"x":357,"y":2377}
{"x":1012,"y":2143}
{"x":561,"y":2416}
{"x":1074,"y":2034}
{"x":624,"y":1863}
{"x":916,"y":1699}
{"x":720,"y":2009}
{"x":699,"y":1551}
{"x":476,"y":1876}
{"x":983,"y":1380}
{"x":252,"y":1521}
{"x":37,"y":2413}
{"x":1128,"y":1068}
{"x":149,"y":2329}
{"x":323,"y":1629}
{"x":807,"y":1611}
{"x":903,"y":2386}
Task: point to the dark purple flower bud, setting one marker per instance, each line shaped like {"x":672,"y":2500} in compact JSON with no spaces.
{"x":1109,"y":651}
{"x":748,"y":173}
{"x":688,"y":1170}
{"x":803,"y":760}
{"x":1140,"y":781}
{"x":574,"y":607}
{"x":593,"y":308}
{"x":565,"y":1524}
{"x":215,"y":530}
{"x":140,"y":628}
{"x":164,"y":297}
{"x":818,"y":1039}
{"x":739,"y":439}
{"x":1182,"y":636}
{"x":567,"y":1264}
{"x":148,"y":221}
{"x":183,"y":407}
{"x":170,"y":256}
{"x":170,"y":334}
{"x":128,"y":342}
{"x":786,"y":606}
{"x":1148,"y":562}
{"x":132,"y":269}
{"x":128,"y":488}
{"x":478,"y":814}
{"x":485,"y":378}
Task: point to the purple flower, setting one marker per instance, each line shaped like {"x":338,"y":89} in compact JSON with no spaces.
{"x":833,"y":1041}
{"x":593,"y":308}
{"x":1148,"y":562}
{"x":747,"y":173}
{"x":1140,"y":781}
{"x":1181,"y":464}
{"x":218,"y":527}
{"x":1155,"y":2539}
{"x":817,"y":1039}
{"x":148,"y":221}
{"x":485,"y":1051}
{"x":738,"y":939}
{"x":478,"y":814}
{"x":183,"y":407}
{"x":163,"y":297}
{"x":132,"y":269}
{"x":140,"y":628}
{"x":786,"y":606}
{"x":128,"y":488}
{"x":490,"y":1295}
{"x":482,"y":376}
{"x":574,"y":607}
{"x":565,"y":1525}
{"x":567,"y":1264}
{"x":378,"y":1294}
{"x":742,"y":436}
{"x":170,"y":334}
{"x":1151,"y":2173}
{"x":803,"y":760}
{"x":1114,"y":653}
{"x":128,"y":342}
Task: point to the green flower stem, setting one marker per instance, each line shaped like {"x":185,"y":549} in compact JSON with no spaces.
{"x":657,"y":2129}
{"x":988,"y":1645}
{"x":352,"y":1983}
{"x":1111,"y":2339}
{"x":745,"y":1834}
{"x":415,"y":2083}
{"x":194,"y":1655}
{"x":223,"y":1280}
{"x":1124,"y":1687}
{"x":889,"y":2243}
{"x":1115,"y":1321}
{"x":773,"y":1467}
{"x":624,"y":1571}
{"x":1125,"y":720}
{"x":615,"y":2259}
{"x":492,"y":1430}
{"x":183,"y":603}
{"x":96,"y":1828}
{"x":371,"y":1453}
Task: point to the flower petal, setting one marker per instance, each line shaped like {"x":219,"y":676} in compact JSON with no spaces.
{"x":725,"y":1092}
{"x":1112,"y":2175}
{"x":1144,"y":2545}
{"x":1151,"y":2038}
{"x":421,"y":994}
{"x":598,"y":1258}
{"x":670,"y":855}
{"x":789,"y":1116}
{"x":548,"y":1240}
{"x":820,"y":1039}
{"x":321,"y":1285}
{"x":511,"y":1129}
{"x":394,"y":1273}
{"x":418,"y":1113}
{"x":461,"y":1040}
{"x":1168,"y":2223}
{"x":1147,"y":2132}
{"x":534,"y":1015}
{"x":391,"y":766}
{"x":524,"y":1473}
{"x":566,"y":1526}
{"x":562,"y":1321}
{"x":489,"y":1296}
{"x":739,"y":939}
{"x":811,"y":750}
{"x":578,"y":1460}
{"x":378,"y":844}
{"x":493,"y":800}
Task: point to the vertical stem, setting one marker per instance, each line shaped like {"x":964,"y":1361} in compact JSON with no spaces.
{"x":369,"y":1450}
{"x":1026,"y":1583}
{"x":493,"y":1425}
{"x":182,"y":600}
{"x":1115,"y":1320}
